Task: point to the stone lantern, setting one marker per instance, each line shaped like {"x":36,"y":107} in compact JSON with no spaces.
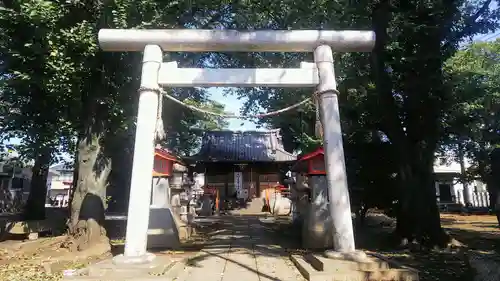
{"x":316,"y":221}
{"x":164,"y":221}
{"x":315,"y":162}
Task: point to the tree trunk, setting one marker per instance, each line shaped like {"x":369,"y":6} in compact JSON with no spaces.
{"x":86,"y":224}
{"x":463,"y":176}
{"x":35,"y":206}
{"x":418,"y":219}
{"x":405,"y":219}
{"x":74,"y":184}
{"x":497,"y":207}
{"x":493,"y":182}
{"x":88,"y":200}
{"x":119,"y":179}
{"x":420,"y":85}
{"x":494,"y":199}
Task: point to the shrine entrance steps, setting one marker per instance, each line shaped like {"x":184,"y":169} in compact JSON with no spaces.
{"x":242,"y":247}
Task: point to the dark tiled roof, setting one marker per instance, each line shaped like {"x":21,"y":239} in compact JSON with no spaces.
{"x":243,"y":146}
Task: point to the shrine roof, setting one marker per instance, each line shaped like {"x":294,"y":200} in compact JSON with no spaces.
{"x":243,"y":146}
{"x":301,"y":164}
{"x":313,"y":154}
{"x":165,"y":154}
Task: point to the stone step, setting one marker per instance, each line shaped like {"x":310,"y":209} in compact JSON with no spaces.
{"x":321,"y":263}
{"x":318,"y":268}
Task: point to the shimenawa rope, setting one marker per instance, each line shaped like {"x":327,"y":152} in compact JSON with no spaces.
{"x":160,"y":131}
{"x":222,"y":115}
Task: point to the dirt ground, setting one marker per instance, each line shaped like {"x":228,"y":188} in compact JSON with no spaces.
{"x":485,"y":224}
{"x":474,"y":232}
{"x":43,"y":259}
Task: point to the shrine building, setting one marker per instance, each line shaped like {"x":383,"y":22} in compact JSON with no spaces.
{"x":242,"y":164}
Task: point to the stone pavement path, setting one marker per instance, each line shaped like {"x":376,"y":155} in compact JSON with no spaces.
{"x":243,"y":249}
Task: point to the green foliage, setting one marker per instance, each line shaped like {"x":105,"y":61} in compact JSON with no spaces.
{"x":54,"y":69}
{"x":473,"y":122}
{"x":184,"y":126}
{"x":10,"y":160}
{"x":59,"y":91}
{"x":397,"y":95}
{"x":28,"y":52}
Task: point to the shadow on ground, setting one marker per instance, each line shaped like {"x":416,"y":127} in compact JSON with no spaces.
{"x":272,"y":237}
{"x":443,"y":264}
{"x":247,"y":234}
{"x":219,"y":235}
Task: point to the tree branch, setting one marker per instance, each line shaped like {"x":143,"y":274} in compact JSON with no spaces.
{"x":468,"y":25}
{"x":392,"y":128}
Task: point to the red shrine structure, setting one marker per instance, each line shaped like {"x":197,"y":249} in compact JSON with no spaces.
{"x":312,"y":163}
{"x":163,"y":163}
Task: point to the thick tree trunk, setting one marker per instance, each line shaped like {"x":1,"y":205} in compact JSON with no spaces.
{"x":418,"y":219}
{"x":35,"y":206}
{"x":494,"y":198}
{"x":493,"y":182}
{"x":86,"y":224}
{"x":497,"y":207}
{"x":88,"y":201}
{"x":420,"y":85}
{"x":463,"y":176}
{"x":119,"y":180}
{"x":75,"y":177}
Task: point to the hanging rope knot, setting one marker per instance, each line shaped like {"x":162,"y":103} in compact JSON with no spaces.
{"x":317,"y":94}
{"x":318,"y":125}
{"x":160,"y":134}
{"x":157,"y":90}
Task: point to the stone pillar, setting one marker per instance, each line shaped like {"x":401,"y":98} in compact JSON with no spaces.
{"x":142,"y":165}
{"x":302,"y":185}
{"x":163,"y":230}
{"x":206,"y":205}
{"x":161,"y":194}
{"x":295,"y":196}
{"x":317,"y":225}
{"x":468,"y":195}
{"x":461,"y":196}
{"x":340,"y":208}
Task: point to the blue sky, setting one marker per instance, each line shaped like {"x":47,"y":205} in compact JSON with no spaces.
{"x":233,"y":105}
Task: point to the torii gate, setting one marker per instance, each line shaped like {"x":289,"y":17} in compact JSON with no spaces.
{"x":156,"y":74}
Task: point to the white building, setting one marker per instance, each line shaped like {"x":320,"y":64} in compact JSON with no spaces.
{"x":59,"y":182}
{"x":15,"y":183}
{"x":14,"y":187}
{"x":449,"y":189}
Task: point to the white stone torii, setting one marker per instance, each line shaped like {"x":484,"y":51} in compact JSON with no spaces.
{"x":155,"y":74}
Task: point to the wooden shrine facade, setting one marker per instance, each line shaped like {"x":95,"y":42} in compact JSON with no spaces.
{"x":242,"y":164}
